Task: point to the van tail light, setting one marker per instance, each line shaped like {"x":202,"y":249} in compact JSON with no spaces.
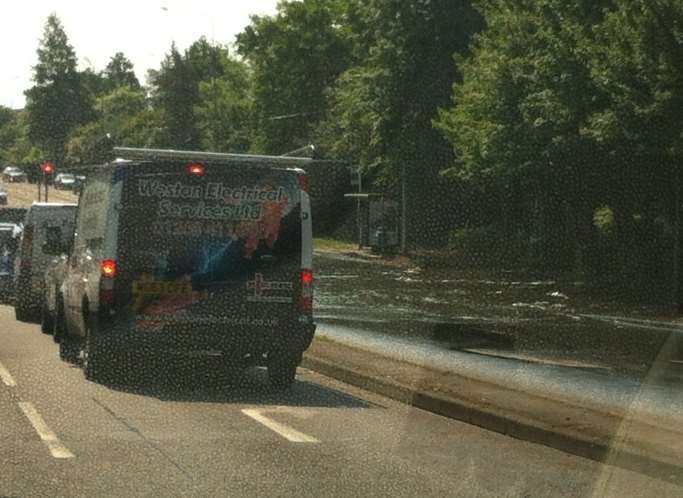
{"x":303,"y":182}
{"x":108,"y":269}
{"x":196,"y":169}
{"x":306,"y":299}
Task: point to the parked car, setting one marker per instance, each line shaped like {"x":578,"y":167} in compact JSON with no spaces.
{"x":9,"y":241}
{"x":45,"y":228}
{"x":13,"y":174}
{"x":78,"y":184}
{"x":3,"y":196}
{"x":64,"y":181}
{"x":180,"y":252}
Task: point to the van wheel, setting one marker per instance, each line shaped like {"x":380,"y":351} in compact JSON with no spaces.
{"x":69,"y":350}
{"x":59,"y":328}
{"x":282,"y":370}
{"x":22,"y":312}
{"x":95,"y":366}
{"x":47,"y":323}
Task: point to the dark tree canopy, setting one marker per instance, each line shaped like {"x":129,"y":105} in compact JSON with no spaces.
{"x":119,"y":72}
{"x":58,"y":102}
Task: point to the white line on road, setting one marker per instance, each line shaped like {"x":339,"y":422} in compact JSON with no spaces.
{"x":286,"y":432}
{"x":50,"y":439}
{"x":6,"y":377}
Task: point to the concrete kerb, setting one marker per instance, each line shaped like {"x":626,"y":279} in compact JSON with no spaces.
{"x":598,"y":447}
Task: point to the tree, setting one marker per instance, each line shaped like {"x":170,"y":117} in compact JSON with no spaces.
{"x":15,"y":147}
{"x":404,"y":74}
{"x":224,"y":109}
{"x":94,"y":82}
{"x":637,"y":63}
{"x":295,"y":56}
{"x":9,"y":131}
{"x":58,"y":102}
{"x":124,"y":118}
{"x":119,"y":72}
{"x":175,"y":94}
{"x":202,"y":99}
{"x":517,"y":120}
{"x":382,"y":108}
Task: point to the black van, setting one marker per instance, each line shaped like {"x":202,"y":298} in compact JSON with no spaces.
{"x":187,"y":252}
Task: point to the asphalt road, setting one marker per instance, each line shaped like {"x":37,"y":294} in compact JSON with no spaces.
{"x":193,"y":430}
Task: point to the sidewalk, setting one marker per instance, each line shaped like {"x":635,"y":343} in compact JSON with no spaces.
{"x":635,"y":425}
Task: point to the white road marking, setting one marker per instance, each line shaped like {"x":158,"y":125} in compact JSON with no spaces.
{"x":286,"y":432}
{"x":6,"y":377}
{"x":50,"y":439}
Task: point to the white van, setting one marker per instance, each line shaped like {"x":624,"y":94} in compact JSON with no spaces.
{"x":188,"y":253}
{"x":45,"y":230}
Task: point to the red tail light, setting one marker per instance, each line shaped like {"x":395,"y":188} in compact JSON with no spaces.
{"x":109,"y":270}
{"x":196,"y":169}
{"x":108,"y":267}
{"x":303,"y":182}
{"x":306,"y":301}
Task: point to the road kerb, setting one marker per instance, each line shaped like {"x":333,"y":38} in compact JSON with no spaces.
{"x":595,"y":446}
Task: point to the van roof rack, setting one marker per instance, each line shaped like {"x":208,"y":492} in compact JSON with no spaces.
{"x":132,"y":153}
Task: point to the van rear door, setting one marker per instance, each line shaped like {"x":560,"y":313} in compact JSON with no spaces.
{"x":217,"y":246}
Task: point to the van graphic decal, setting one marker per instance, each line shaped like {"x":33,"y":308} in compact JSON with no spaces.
{"x":154,"y":297}
{"x":259,"y":285}
{"x":248,"y":214}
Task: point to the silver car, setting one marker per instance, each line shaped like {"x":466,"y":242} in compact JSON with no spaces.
{"x":14,"y":174}
{"x":65,"y":181}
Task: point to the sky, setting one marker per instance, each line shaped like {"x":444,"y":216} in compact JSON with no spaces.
{"x":143,"y":30}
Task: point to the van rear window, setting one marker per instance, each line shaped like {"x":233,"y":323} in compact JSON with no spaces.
{"x":211,"y":229}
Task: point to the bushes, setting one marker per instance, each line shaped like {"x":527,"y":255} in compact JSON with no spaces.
{"x":491,"y":245}
{"x":633,"y":253}
{"x":629,"y":255}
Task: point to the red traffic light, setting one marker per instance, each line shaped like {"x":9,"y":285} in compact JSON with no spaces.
{"x":48,"y":167}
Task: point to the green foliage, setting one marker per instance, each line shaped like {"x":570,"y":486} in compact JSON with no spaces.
{"x":89,"y":144}
{"x":119,"y":73}
{"x":295,"y":56}
{"x":526,"y":92}
{"x":491,"y":246}
{"x":383,"y":107}
{"x":192,"y":90}
{"x":9,"y":132}
{"x":123,"y":118}
{"x":175,"y":94}
{"x":15,"y":147}
{"x":58,"y":102}
{"x":224,"y":108}
{"x":603,"y":220}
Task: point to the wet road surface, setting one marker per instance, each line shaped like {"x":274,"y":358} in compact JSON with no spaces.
{"x":533,"y":320}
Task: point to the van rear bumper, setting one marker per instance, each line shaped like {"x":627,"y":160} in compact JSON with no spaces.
{"x":235,"y":342}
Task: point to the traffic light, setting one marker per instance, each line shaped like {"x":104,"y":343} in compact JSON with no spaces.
{"x":48,"y":167}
